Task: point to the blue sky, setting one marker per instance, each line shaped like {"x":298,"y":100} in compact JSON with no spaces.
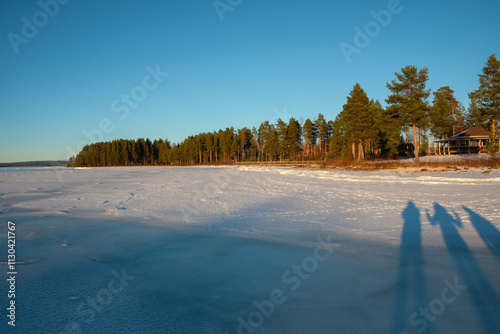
{"x":260,"y":60}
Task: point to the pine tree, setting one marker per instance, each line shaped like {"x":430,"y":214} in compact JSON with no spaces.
{"x":148,"y":148}
{"x":139,"y":151}
{"x":164,"y":152}
{"x":173,"y":155}
{"x":209,"y":144}
{"x":323,"y":132}
{"x":262,"y":136}
{"x":235,"y":148}
{"x":309,"y":132}
{"x":488,"y":96}
{"x":155,"y":151}
{"x":226,"y":141}
{"x":408,"y":99}
{"x":272,"y":143}
{"x":217,"y":148}
{"x":282,"y":132}
{"x":294,"y":135}
{"x":244,"y":140}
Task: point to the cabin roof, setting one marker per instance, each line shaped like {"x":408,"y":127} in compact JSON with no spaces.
{"x":471,"y":133}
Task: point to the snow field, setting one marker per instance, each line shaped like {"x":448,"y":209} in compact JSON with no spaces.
{"x":236,"y":250}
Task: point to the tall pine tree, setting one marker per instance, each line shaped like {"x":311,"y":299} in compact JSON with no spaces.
{"x":488,"y":96}
{"x":294,"y":135}
{"x":409,"y":99}
{"x":309,"y":132}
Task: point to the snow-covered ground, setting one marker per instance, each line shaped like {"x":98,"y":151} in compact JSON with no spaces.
{"x":450,"y":158}
{"x":252,"y":250}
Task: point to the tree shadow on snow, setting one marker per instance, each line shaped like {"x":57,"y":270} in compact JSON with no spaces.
{"x":482,"y":294}
{"x":411,"y":281}
{"x":487,"y":231}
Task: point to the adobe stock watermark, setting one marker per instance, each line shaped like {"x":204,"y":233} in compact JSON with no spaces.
{"x":31,"y":27}
{"x":293,"y":278}
{"x":372,"y":29}
{"x":122,"y":107}
{"x":283,"y":115}
{"x":436,"y":307}
{"x":200,"y":197}
{"x":87,"y":310}
{"x":223,"y":6}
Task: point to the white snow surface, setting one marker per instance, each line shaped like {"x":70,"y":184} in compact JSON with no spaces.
{"x":207,"y":247}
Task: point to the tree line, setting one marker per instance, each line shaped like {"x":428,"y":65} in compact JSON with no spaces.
{"x":363,"y":129}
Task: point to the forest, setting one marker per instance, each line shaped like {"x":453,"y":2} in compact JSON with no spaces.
{"x":364,"y":129}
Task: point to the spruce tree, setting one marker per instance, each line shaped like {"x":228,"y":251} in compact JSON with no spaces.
{"x":359,"y":122}
{"x":474,"y":115}
{"x":441,"y":113}
{"x":389,"y":130}
{"x":338,"y":142}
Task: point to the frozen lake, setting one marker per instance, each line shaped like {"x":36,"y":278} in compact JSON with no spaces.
{"x":32,"y":169}
{"x":252,"y":250}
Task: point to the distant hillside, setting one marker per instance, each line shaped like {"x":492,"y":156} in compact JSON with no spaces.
{"x":35,"y":163}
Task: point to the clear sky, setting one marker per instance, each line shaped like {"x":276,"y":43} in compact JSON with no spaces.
{"x":84,"y":67}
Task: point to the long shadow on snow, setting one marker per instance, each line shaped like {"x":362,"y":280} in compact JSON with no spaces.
{"x":411,"y":287}
{"x":482,"y":294}
{"x":487,"y":231}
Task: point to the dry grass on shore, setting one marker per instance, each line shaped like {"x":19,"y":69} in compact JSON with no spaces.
{"x":443,"y":164}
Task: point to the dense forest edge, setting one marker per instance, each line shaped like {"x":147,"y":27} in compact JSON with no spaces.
{"x":363,"y":130}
